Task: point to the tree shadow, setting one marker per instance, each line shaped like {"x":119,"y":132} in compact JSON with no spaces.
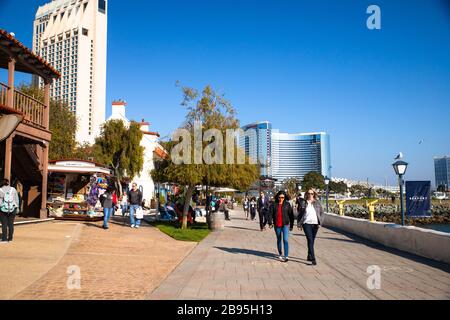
{"x":233,"y":227}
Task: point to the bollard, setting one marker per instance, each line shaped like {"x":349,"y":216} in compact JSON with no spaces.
{"x":371,"y":206}
{"x":341,"y":206}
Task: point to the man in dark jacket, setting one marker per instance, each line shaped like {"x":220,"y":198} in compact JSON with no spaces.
{"x":263,"y":210}
{"x":135,"y":201}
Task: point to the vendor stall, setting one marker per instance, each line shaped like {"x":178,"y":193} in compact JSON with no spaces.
{"x":74,"y":188}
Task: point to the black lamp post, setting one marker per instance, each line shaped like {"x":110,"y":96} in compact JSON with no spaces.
{"x":327,"y":182}
{"x":400,"y":169}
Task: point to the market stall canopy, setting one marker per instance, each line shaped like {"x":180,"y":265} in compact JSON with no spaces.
{"x":77,"y":166}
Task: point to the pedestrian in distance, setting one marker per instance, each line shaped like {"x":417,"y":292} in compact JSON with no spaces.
{"x":9,"y":204}
{"x":282,"y":218}
{"x":108,"y":204}
{"x":252,"y":206}
{"x":245,"y":204}
{"x":263,"y":210}
{"x":135,"y":201}
{"x":310,"y":217}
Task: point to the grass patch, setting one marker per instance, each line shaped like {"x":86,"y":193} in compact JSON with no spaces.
{"x":195,"y":233}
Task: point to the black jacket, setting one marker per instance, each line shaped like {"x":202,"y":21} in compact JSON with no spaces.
{"x":263,"y":206}
{"x":287,"y":213}
{"x":135,"y":197}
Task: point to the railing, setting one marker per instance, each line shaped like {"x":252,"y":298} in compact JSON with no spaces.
{"x":3,"y":94}
{"x":31,"y":109}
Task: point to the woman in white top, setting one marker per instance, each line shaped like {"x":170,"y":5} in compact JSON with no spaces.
{"x":310,"y":218}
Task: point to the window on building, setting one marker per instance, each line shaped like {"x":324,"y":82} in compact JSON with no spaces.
{"x":84,"y":32}
{"x":102,"y":6}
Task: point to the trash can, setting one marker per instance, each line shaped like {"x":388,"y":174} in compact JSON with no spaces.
{"x":217,"y":221}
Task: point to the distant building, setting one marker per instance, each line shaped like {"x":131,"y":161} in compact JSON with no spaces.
{"x":256,"y":141}
{"x":284,"y":155}
{"x":71,"y":35}
{"x":442,"y":171}
{"x":152,"y":150}
{"x":294,"y":155}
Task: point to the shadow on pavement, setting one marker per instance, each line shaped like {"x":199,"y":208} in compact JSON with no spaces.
{"x":429,"y":262}
{"x":267,"y":255}
{"x":232,"y":227}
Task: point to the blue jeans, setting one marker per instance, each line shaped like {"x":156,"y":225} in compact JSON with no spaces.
{"x":107,"y":212}
{"x":133,"y":208}
{"x":124,"y":209}
{"x":283,"y":231}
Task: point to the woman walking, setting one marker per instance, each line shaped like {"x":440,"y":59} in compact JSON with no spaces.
{"x":282,"y":217}
{"x":310,"y":217}
{"x":252,"y":205}
{"x":246,"y":207}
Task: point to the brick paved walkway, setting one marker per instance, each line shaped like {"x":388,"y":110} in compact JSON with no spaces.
{"x":240,"y":263}
{"x":119,"y":263}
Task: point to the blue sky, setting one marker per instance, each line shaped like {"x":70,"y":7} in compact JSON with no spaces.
{"x":303,"y":65}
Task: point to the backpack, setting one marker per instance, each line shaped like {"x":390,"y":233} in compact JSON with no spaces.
{"x":8,"y":204}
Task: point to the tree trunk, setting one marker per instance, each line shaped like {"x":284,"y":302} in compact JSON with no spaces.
{"x":187,"y":201}
{"x":208,"y":212}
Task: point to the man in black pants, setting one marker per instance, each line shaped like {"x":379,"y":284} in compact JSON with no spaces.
{"x":263,"y":210}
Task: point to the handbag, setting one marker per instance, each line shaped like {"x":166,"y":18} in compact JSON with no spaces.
{"x":139,"y":213}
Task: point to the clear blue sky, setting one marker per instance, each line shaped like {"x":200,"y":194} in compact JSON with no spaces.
{"x":303,"y":65}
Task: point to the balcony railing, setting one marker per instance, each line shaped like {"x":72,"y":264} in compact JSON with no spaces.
{"x":31,"y":109}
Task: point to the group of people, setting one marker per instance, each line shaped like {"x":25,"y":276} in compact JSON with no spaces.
{"x":279,"y":214}
{"x":130,"y":201}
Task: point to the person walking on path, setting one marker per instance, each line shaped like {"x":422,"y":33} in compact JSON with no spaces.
{"x":245,"y":204}
{"x":252,"y":205}
{"x":135,"y":201}
{"x":282,"y":218}
{"x":9,"y":203}
{"x":263,"y":210}
{"x":310,"y":217}
{"x":107,"y":201}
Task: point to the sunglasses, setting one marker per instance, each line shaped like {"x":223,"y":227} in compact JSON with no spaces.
{"x":281,"y":197}
{"x":311,"y":193}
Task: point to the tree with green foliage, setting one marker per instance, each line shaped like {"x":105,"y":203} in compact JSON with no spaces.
{"x":63,"y":124}
{"x":338,"y":187}
{"x":314,"y":180}
{"x":291,"y":186}
{"x":213,"y":111}
{"x":120,"y":148}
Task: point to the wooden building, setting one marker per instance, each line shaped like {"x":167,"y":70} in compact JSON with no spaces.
{"x":24,"y":154}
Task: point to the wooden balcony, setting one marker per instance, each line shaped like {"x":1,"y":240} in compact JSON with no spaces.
{"x":32,"y":110}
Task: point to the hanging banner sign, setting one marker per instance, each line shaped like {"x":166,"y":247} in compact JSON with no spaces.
{"x":418,"y":198}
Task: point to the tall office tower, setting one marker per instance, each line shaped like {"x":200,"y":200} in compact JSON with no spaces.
{"x":294,"y":155}
{"x":71,"y":35}
{"x":256,"y":141}
{"x":442,"y":172}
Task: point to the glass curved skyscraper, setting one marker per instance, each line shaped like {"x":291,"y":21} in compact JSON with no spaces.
{"x":294,"y":155}
{"x":285,"y":155}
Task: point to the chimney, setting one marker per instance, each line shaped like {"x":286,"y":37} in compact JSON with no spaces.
{"x":144,"y":125}
{"x":118,"y":109}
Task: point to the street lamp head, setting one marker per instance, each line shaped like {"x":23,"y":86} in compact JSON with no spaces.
{"x":327,"y":180}
{"x":400,"y":167}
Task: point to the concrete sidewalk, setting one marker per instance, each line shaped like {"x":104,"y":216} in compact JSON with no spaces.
{"x":240,"y":262}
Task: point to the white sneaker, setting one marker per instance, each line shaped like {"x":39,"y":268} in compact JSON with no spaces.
{"x":136,"y":226}
{"x":132,"y":226}
{"x":281,"y":258}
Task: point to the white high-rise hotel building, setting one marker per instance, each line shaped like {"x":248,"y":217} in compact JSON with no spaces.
{"x":71,"y":35}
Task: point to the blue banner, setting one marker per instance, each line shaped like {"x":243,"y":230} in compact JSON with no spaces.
{"x":418,"y":198}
